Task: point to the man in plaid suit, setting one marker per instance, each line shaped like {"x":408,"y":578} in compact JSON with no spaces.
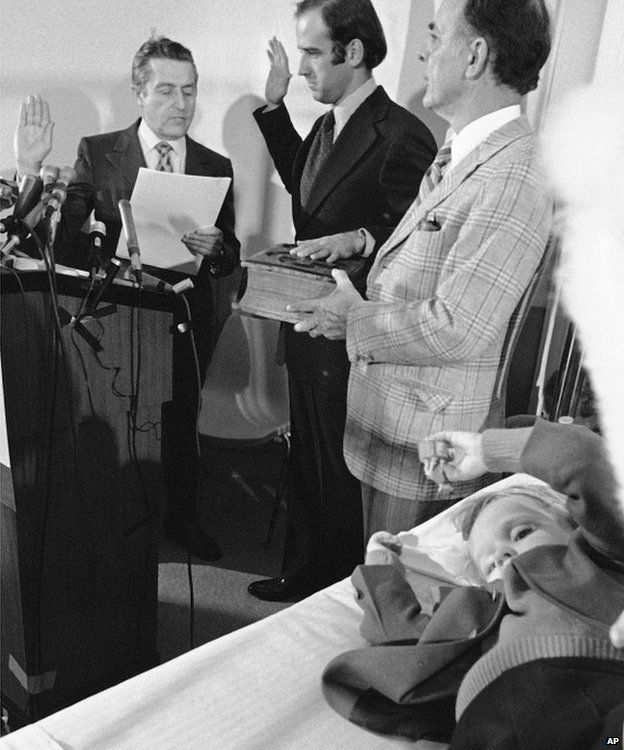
{"x":428,"y":343}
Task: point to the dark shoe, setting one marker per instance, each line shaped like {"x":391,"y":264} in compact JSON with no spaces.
{"x":283,"y":589}
{"x":194,"y":538}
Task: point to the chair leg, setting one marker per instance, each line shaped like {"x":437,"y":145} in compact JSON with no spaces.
{"x":278,"y":492}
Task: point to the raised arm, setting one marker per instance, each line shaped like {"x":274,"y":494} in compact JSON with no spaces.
{"x":273,"y":119}
{"x":33,"y":135}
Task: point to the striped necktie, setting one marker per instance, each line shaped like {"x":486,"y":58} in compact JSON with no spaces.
{"x":164,"y":160}
{"x":319,"y":151}
{"x":436,"y":171}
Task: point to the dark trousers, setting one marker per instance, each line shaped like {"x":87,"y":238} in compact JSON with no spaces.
{"x":324,"y":511}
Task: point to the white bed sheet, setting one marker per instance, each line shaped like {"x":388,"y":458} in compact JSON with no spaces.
{"x":258,"y":688}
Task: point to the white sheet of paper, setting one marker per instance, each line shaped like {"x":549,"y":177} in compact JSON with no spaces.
{"x":164,"y":207}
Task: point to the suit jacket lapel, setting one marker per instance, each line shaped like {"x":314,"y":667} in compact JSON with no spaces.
{"x":127,"y":156}
{"x":496,"y":141}
{"x":357,"y":136}
{"x":197,"y":159}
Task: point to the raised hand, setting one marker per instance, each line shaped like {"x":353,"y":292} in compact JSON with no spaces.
{"x":279,"y":73}
{"x":33,"y":135}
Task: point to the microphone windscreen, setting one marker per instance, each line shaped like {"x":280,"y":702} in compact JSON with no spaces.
{"x":66,"y":175}
{"x":49,"y":174}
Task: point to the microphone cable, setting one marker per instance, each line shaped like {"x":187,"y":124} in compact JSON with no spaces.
{"x":58,"y":361}
{"x":189,"y":331}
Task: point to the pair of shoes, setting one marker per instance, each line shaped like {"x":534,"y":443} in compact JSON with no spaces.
{"x":283,"y":589}
{"x":190,"y":534}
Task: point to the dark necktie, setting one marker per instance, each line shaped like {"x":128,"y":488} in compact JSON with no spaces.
{"x":164,"y":160}
{"x":319,"y":151}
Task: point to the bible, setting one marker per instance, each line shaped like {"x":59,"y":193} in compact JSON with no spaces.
{"x":275,"y":278}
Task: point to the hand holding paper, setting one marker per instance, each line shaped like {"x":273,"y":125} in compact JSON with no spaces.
{"x":174,"y":216}
{"x":205,"y":241}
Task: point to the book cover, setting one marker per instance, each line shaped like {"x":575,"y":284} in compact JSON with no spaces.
{"x":275,"y":279}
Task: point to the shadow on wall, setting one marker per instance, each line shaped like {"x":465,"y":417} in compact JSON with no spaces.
{"x":436,"y":124}
{"x":245,"y":393}
{"x":411,"y":81}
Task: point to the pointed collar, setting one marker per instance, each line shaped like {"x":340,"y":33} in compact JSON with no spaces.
{"x":495,"y":142}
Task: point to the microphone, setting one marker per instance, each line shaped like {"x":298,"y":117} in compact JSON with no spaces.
{"x":93,"y":301}
{"x":30,"y":188}
{"x":49,"y":175}
{"x":97,"y":232}
{"x":24,"y":227}
{"x":8,"y":193}
{"x":125,"y":209}
{"x":58,"y":193}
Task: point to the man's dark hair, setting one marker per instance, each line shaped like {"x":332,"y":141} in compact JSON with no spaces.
{"x":518,"y":36}
{"x":348,"y":20}
{"x":157,"y":46}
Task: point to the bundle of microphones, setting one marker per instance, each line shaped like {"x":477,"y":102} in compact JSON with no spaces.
{"x":36,"y":208}
{"x":38,"y":202}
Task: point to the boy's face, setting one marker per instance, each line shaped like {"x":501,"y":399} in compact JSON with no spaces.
{"x":509,"y":526}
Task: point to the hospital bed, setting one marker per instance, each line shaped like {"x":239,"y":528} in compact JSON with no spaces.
{"x":257,"y":688}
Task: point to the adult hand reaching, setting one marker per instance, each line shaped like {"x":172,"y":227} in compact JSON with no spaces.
{"x":464,"y":459}
{"x":279,"y":73}
{"x":333,"y":247}
{"x":33,"y":135}
{"x":328,"y":315}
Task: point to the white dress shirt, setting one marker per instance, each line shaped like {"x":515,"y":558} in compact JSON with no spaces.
{"x":477,"y":131}
{"x":344,"y":108}
{"x":148,"y":140}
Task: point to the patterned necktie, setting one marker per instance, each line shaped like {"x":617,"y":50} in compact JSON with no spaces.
{"x":428,"y":183}
{"x":164,"y":160}
{"x":319,"y":151}
{"x":435,"y":173}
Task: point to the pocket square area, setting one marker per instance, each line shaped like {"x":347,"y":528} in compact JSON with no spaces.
{"x":429,"y":224}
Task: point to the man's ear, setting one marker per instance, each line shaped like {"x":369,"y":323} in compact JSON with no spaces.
{"x":355,"y":53}
{"x":478,"y":58}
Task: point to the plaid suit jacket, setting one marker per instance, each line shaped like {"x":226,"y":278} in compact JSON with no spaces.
{"x":427,"y":344}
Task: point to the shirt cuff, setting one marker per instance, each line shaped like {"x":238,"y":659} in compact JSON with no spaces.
{"x":369,"y":240}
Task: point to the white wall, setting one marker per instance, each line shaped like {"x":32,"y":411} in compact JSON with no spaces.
{"x":77,"y":54}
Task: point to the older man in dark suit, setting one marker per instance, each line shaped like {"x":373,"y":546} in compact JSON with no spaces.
{"x":164,"y":78}
{"x":351,"y":180}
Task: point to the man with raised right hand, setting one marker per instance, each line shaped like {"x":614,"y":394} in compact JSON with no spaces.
{"x":351,"y":180}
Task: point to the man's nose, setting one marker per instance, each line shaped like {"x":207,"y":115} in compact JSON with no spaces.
{"x":178,"y":99}
{"x":304,"y":66}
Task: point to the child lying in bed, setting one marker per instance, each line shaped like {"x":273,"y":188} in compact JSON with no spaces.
{"x":523,"y":662}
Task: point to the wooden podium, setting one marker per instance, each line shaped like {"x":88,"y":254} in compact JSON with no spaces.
{"x":82,"y":498}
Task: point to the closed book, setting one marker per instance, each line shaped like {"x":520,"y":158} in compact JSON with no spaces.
{"x":275,"y":279}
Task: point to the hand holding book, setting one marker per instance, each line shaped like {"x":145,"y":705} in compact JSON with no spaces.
{"x":283,"y":286}
{"x":327,"y":316}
